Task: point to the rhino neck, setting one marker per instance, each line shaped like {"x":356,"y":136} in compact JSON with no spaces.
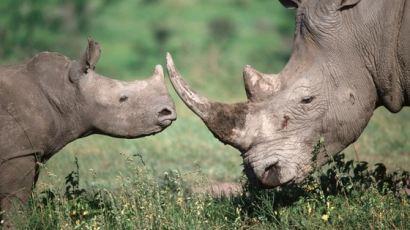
{"x":403,"y":51}
{"x":65,"y":110}
{"x":353,"y":101}
{"x":378,"y":46}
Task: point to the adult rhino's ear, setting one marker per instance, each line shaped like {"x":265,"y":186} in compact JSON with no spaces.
{"x":90,"y":56}
{"x":345,"y":4}
{"x":290,"y":3}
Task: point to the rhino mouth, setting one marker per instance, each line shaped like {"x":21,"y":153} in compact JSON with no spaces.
{"x":166,"y":122}
{"x":268,"y":170}
{"x":273,"y":177}
{"x":155,"y":129}
{"x":160,"y":127}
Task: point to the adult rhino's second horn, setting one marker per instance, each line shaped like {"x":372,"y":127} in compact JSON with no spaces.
{"x":223,"y":120}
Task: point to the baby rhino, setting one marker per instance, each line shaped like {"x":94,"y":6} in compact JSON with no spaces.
{"x":51,"y":101}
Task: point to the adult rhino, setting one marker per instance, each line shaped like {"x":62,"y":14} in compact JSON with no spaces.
{"x":349,"y":57}
{"x":51,"y":100}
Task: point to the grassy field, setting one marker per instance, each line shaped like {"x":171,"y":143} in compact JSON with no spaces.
{"x":146,"y":183}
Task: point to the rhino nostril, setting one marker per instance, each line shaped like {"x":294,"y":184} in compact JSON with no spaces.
{"x":123,"y":98}
{"x":269,"y":168}
{"x":165,"y":112}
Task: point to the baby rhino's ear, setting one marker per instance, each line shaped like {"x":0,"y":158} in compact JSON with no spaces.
{"x":87,"y":61}
{"x":90,"y":56}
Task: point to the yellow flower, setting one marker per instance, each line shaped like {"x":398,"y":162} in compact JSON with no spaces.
{"x":310,"y":188}
{"x":180,"y":200}
{"x":325,"y":217}
{"x":238,"y":211}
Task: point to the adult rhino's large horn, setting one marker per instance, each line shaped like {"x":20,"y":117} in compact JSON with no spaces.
{"x":225,"y":121}
{"x":197,"y":103}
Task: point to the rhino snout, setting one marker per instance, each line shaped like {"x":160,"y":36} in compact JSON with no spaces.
{"x":166,"y":115}
{"x":273,"y":173}
{"x":276,"y":175}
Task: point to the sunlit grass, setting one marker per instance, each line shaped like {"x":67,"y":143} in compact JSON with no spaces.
{"x":343,"y":195}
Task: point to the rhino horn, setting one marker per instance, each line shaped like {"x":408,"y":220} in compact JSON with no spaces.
{"x":258,"y":85}
{"x":158,"y":73}
{"x":223,"y":120}
{"x":198,"y":104}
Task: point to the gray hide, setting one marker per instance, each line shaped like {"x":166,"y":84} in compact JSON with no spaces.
{"x":50,"y":101}
{"x":349,"y":57}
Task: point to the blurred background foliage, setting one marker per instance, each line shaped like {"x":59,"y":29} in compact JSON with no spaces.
{"x":211,"y":42}
{"x":30,"y":26}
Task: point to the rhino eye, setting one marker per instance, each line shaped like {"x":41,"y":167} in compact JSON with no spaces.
{"x":307,"y":99}
{"x":123,"y":98}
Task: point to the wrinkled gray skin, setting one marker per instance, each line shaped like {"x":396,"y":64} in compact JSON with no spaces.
{"x":349,"y":57}
{"x":50,"y":101}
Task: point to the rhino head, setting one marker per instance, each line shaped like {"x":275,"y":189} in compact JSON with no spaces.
{"x":118,"y":108}
{"x":324,"y":97}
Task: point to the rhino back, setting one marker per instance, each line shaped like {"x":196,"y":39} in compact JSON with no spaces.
{"x":26,"y":113}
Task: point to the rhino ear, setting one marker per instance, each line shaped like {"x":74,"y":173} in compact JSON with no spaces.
{"x":90,"y":56}
{"x":344,"y":4}
{"x":259,"y":86}
{"x":290,"y":3}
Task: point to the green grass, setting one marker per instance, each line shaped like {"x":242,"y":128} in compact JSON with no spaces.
{"x":343,"y":195}
{"x":122,"y":193}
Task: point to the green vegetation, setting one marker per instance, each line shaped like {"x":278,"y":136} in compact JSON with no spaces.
{"x":346,"y":195}
{"x":146,"y":183}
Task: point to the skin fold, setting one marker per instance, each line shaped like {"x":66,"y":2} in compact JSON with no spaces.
{"x":51,"y":101}
{"x":349,"y":57}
